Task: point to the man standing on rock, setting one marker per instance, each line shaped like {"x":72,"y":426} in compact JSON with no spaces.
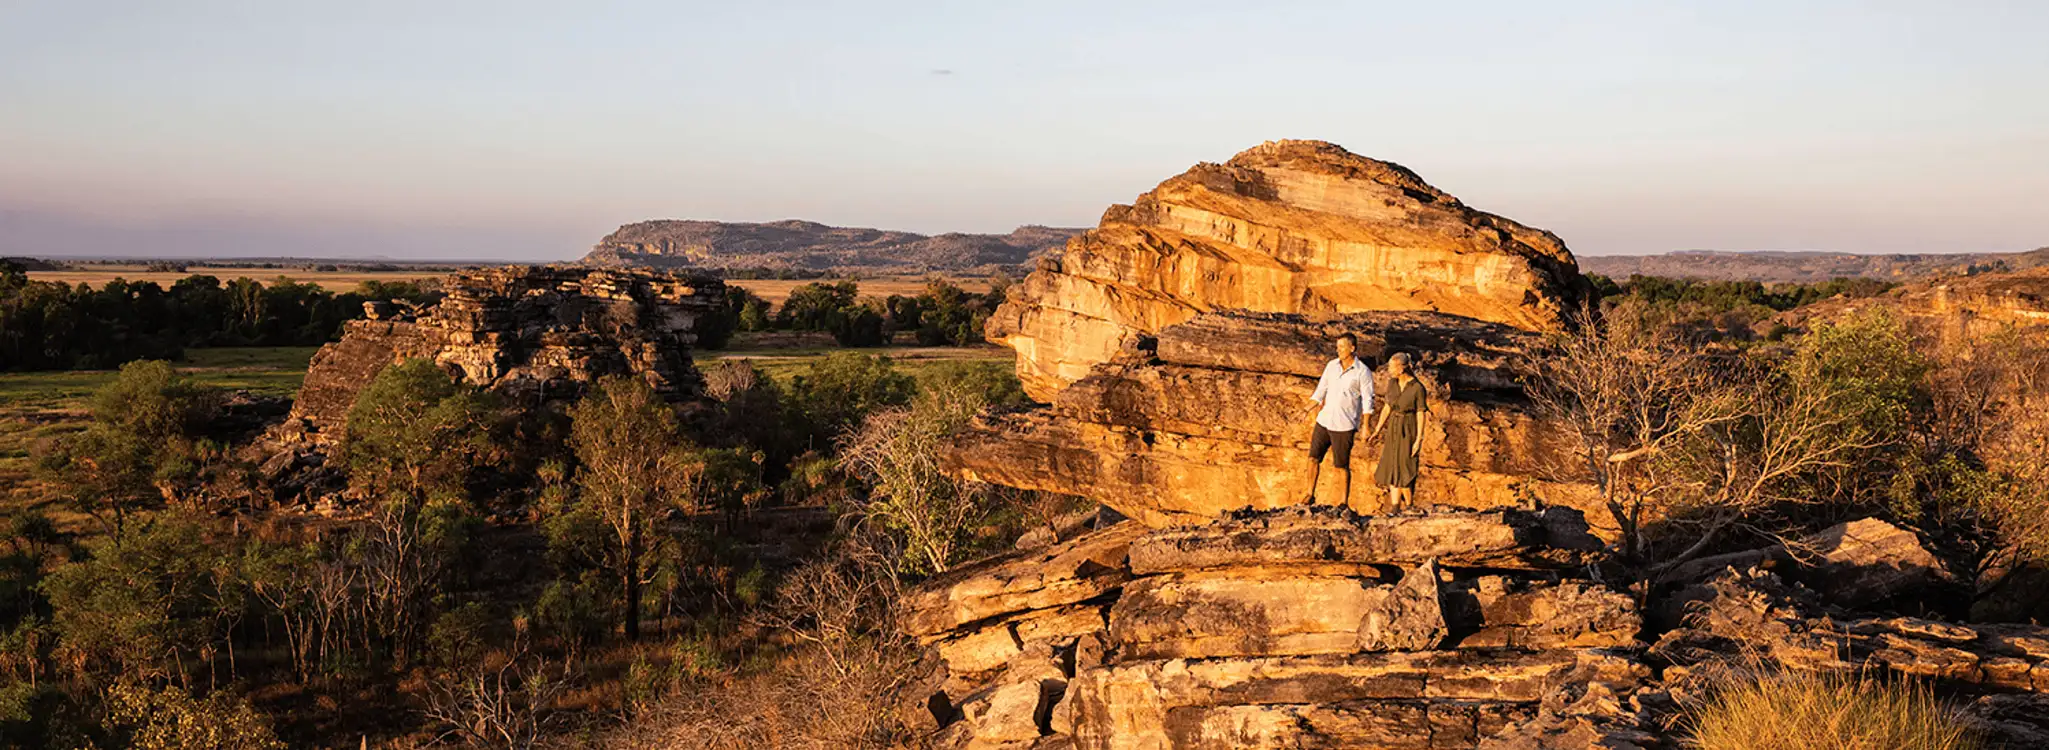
{"x":1343,"y":398}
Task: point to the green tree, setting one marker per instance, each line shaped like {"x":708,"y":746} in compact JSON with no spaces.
{"x":816,"y":306}
{"x":896,"y":451}
{"x":169,"y":718}
{"x":416,"y":434}
{"x":150,"y":607}
{"x":636,"y":469}
{"x":414,"y":440}
{"x":140,"y":446}
{"x":843,"y":387}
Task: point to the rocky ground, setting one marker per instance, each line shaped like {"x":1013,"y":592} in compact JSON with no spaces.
{"x":1447,"y":628}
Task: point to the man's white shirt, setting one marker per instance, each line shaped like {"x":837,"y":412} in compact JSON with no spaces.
{"x":1346,"y":395}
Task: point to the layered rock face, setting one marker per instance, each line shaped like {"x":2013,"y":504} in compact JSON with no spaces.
{"x":1212,"y":416}
{"x":1294,"y":628}
{"x":1320,"y":628}
{"x":528,"y":332}
{"x":1285,"y":227}
{"x":1177,"y":344}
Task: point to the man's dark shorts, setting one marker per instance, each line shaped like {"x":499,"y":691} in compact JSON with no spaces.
{"x":1339,"y":443}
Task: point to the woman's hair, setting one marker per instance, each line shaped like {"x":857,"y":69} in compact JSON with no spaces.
{"x":1401,"y":358}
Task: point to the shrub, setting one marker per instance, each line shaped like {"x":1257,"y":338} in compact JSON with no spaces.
{"x":171,"y":719}
{"x":1807,"y":711}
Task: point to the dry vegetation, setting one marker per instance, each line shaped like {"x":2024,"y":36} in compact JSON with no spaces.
{"x":1807,"y":711}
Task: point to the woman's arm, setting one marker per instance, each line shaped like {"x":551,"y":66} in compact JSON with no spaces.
{"x":1379,"y":421}
{"x":1422,"y":422}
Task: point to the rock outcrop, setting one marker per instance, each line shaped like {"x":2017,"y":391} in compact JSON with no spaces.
{"x":1860,"y":564}
{"x":1953,"y":308}
{"x":1176,"y":345}
{"x":1755,"y":614}
{"x":1285,"y":227}
{"x":1301,"y":627}
{"x":528,"y":332}
{"x":1211,"y":417}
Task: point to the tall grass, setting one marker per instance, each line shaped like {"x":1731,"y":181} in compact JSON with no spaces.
{"x":1807,"y":711}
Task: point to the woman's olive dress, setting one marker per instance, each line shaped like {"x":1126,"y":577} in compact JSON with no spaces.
{"x":1398,"y":461}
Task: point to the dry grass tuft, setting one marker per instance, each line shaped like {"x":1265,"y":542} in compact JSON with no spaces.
{"x":1807,"y":711}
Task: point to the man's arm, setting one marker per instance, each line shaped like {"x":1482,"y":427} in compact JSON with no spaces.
{"x":1322,"y":390}
{"x":1366,"y":395}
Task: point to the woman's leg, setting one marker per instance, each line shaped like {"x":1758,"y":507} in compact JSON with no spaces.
{"x":1394,"y":499}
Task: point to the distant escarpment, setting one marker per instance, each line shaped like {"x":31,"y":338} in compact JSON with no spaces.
{"x":1808,"y":267}
{"x":805,"y":245}
{"x":1176,"y":345}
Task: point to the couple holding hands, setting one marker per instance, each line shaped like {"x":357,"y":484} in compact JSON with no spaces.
{"x":1344,"y":401}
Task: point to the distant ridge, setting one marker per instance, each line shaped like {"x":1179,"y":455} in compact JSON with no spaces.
{"x":806,"y":245}
{"x":1772,"y":266}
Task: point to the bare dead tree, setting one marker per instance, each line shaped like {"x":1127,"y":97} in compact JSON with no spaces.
{"x":502,"y":704}
{"x":1699,"y":441}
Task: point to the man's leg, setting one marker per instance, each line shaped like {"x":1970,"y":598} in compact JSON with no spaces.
{"x":1341,"y":457}
{"x":1319,"y":443}
{"x":1315,"y":468}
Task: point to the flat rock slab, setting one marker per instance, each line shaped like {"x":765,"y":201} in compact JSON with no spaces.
{"x":1423,"y":725}
{"x":1275,"y":612}
{"x":1084,"y":568}
{"x":1501,"y":538}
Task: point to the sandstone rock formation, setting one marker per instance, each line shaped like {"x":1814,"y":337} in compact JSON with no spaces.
{"x":1177,"y":343}
{"x":529,"y":332}
{"x":1211,"y":418}
{"x":1284,"y":227}
{"x":808,"y":245}
{"x":1304,"y":627}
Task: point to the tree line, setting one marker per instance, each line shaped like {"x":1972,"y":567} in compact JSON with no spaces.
{"x":56,"y":326}
{"x":942,"y":315}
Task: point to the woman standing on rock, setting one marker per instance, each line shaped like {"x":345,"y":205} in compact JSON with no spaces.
{"x":1401,"y":453}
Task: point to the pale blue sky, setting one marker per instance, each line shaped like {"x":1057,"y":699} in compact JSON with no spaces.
{"x":526,"y":130}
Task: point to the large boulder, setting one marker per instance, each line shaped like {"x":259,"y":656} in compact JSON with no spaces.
{"x":1861,"y":564}
{"x":1284,"y":227}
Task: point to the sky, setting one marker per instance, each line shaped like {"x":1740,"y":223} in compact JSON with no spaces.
{"x":519,"y":130}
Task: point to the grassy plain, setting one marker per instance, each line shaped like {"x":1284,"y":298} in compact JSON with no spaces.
{"x":35,"y":406}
